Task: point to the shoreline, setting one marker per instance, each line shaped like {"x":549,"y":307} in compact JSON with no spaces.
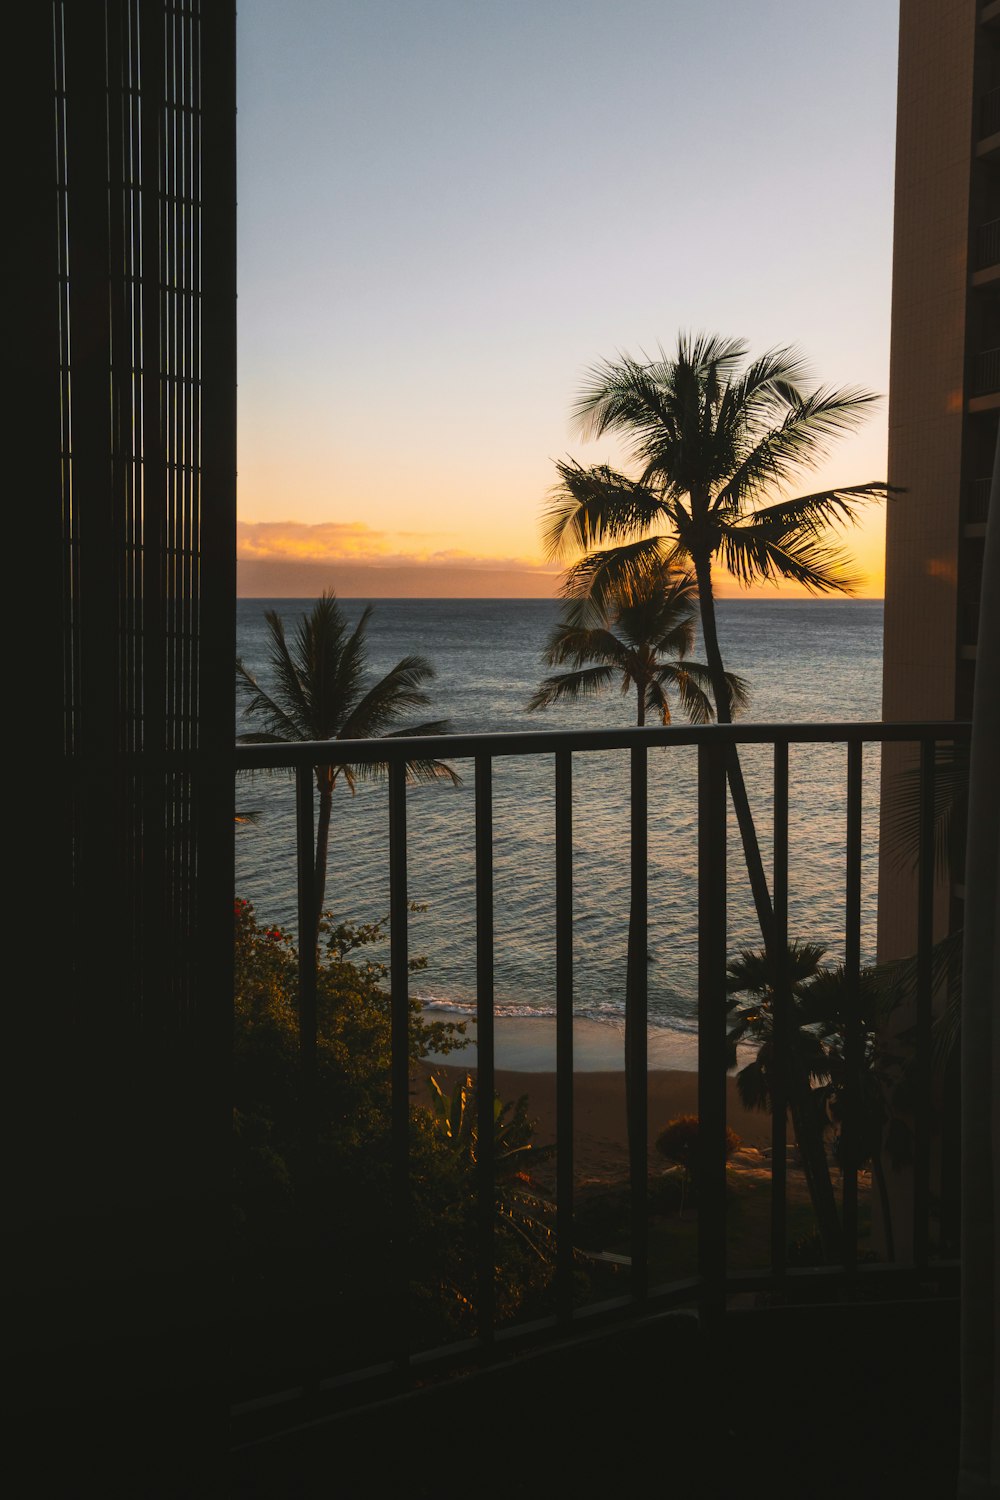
{"x":527,"y":1044}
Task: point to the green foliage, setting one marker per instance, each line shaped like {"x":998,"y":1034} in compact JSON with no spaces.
{"x":678,"y":1142}
{"x":331,"y":1188}
{"x":523,"y":1215}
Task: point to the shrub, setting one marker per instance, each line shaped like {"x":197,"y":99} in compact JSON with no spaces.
{"x":678,"y":1142}
{"x":314,"y":1226}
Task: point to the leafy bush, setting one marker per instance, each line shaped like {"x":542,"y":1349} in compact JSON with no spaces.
{"x":313,"y":1210}
{"x":678,"y":1142}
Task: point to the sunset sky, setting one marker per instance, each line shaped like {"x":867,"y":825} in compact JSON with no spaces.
{"x":449,"y":209}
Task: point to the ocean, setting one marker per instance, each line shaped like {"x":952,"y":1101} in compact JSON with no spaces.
{"x":804,"y":660}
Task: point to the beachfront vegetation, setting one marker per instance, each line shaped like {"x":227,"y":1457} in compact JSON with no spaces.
{"x":714,"y":440}
{"x":320,"y":692}
{"x":313,"y":1180}
{"x":640,"y":638}
{"x":678,"y":1142}
{"x":832,"y":1101}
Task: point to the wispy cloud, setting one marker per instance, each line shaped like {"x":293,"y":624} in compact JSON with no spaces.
{"x":356,"y":542}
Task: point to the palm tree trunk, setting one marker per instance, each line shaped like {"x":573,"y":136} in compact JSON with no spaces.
{"x":734,"y":771}
{"x":812,"y":1150}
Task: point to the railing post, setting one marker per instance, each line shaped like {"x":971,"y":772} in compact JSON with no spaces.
{"x":399,"y":979}
{"x":781,"y":1019}
{"x":309,"y":1105}
{"x":851,"y":1123}
{"x":564,"y":1036}
{"x":712,"y":1029}
{"x":636,"y":1022}
{"x":485,"y":1087}
{"x":308,"y":938}
{"x":925,"y":999}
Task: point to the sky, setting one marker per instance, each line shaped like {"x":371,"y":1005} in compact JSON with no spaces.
{"x":449,"y":210}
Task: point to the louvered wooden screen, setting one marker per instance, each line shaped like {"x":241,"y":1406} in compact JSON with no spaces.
{"x":126,"y":260}
{"x":147,"y":389}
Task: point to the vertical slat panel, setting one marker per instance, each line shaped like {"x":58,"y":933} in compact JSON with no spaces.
{"x":564,"y":1035}
{"x":636,"y":1023}
{"x":782,"y":1019}
{"x":399,"y":977}
{"x":149,"y":440}
{"x":486,"y":1165}
{"x":925,"y":943}
{"x":712,"y":1029}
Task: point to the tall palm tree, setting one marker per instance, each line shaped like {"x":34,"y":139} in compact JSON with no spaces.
{"x":715,"y":440}
{"x":642,"y":638}
{"x":641,"y":635}
{"x":320,"y":694}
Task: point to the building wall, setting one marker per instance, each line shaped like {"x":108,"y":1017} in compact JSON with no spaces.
{"x":927,"y":405}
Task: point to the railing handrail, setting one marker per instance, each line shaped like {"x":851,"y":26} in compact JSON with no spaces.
{"x":549,"y":741}
{"x":715,"y":1278}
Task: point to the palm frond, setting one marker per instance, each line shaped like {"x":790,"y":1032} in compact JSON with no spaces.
{"x":826,"y":508}
{"x":281,"y":725}
{"x":590,"y":506}
{"x":400,"y":689}
{"x":586,"y":683}
{"x":338,"y":674}
{"x":605,"y":578}
{"x":290,"y":690}
{"x":693,"y":684}
{"x":573,"y":644}
{"x":763,"y":554}
{"x":951,"y":793}
{"x":775,"y":455}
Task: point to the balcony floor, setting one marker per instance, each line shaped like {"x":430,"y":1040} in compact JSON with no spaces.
{"x":819,"y":1401}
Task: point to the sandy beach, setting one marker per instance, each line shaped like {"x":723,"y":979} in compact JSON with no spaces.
{"x":525,"y":1053}
{"x":599,"y":1143}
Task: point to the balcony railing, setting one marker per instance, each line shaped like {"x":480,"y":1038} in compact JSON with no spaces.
{"x":987,"y":245}
{"x":989,"y":112}
{"x":979,"y":499}
{"x":986,"y":372}
{"x":713,"y":1281}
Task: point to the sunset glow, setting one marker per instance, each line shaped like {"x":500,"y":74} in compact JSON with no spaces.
{"x":439,"y":235}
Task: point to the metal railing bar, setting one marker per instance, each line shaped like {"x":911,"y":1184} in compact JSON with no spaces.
{"x":779,"y":1101}
{"x":712,"y":802}
{"x":307,"y":998}
{"x":399,"y":980}
{"x":549,"y":742}
{"x":636,"y":1022}
{"x":486,"y":1163}
{"x":853,"y":1041}
{"x":922,"y":1060}
{"x":564,"y":1036}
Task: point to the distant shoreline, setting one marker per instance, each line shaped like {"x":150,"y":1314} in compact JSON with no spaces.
{"x":527,"y":1044}
{"x":374,"y":595}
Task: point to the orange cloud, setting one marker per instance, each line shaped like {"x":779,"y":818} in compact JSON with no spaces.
{"x":356,"y":543}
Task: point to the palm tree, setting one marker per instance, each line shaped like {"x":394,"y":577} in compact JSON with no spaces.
{"x":806,"y":1076}
{"x":319,"y":694}
{"x":655,"y":632}
{"x":715,"y":441}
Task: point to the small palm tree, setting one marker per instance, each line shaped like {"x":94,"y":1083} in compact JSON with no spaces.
{"x":806,"y":1076}
{"x":643,"y":638}
{"x":715,"y":440}
{"x":320,"y":694}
